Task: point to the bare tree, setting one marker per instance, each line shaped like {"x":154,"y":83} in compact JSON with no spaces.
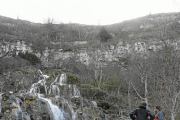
{"x":167,"y":81}
{"x":140,"y":72}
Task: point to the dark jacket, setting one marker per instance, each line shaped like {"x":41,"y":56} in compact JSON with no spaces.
{"x":141,"y":113}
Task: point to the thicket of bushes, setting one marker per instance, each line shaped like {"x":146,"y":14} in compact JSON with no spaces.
{"x":33,"y":59}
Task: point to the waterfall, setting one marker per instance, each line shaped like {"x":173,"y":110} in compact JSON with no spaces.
{"x":76,"y":92}
{"x":56,"y":112}
{"x":55,"y":90}
{"x":18,"y":101}
{"x":43,"y":83}
{"x":94,"y":103}
{"x":17,"y":113}
{"x":44,"y":76}
{"x":69,"y":87}
{"x":35,"y":87}
{"x":57,"y":98}
{"x":69,"y":110}
{"x":106,"y":117}
{"x":72,"y":111}
{"x":62,"y":80}
{"x":0,"y":103}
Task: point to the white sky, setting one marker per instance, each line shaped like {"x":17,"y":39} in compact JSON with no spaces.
{"x":85,"y":11}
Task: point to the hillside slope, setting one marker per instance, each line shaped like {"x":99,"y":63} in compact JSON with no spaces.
{"x":143,"y":28}
{"x":139,"y":63}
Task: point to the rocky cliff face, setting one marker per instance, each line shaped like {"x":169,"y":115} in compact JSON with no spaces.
{"x":112,"y":53}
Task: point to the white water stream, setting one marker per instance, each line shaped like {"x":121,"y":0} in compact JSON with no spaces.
{"x":76,"y":92}
{"x":94,"y":103}
{"x":56,"y":112}
{"x":62,"y":80}
{"x":35,"y":88}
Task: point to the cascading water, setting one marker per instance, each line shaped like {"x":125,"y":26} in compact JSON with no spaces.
{"x":35,"y":87}
{"x":56,"y":112}
{"x":0,"y":103}
{"x":44,"y":76}
{"x":54,"y":89}
{"x":63,"y":101}
{"x":62,"y":80}
{"x":76,"y":92}
{"x":16,"y":111}
{"x":94,"y":103}
{"x":70,"y":113}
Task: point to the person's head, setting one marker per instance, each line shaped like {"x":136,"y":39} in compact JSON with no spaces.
{"x":143,"y":105}
{"x":157,"y":109}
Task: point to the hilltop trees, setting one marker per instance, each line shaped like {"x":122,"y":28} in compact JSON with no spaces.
{"x":104,"y":35}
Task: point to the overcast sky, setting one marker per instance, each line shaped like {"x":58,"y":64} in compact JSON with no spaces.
{"x":85,"y":11}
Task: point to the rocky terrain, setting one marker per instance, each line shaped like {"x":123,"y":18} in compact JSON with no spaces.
{"x":59,"y":97}
{"x":68,"y":72}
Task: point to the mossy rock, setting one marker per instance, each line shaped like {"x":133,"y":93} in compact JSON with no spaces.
{"x":52,"y":72}
{"x":42,"y":89}
{"x":103,"y":105}
{"x":72,"y":79}
{"x":90,"y":92}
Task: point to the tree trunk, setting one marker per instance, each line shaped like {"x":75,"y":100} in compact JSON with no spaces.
{"x":129,"y":97}
{"x":146,"y":90}
{"x":172,"y":115}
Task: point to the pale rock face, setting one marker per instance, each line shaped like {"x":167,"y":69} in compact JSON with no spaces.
{"x":140,"y":47}
{"x":76,"y":42}
{"x":19,"y":46}
{"x":84,"y":57}
{"x":152,"y":47}
{"x":50,"y":57}
{"x":130,"y":35}
{"x":147,"y":26}
{"x":108,"y":56}
{"x":80,"y":42}
{"x":111,"y":47}
{"x":123,"y":49}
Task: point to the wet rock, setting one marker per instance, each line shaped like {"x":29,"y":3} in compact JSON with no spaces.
{"x":76,"y":101}
{"x":13,"y":105}
{"x":103,"y":105}
{"x":72,"y":79}
{"x":45,"y":117}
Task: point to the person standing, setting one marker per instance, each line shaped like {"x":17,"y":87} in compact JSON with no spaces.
{"x":141,"y":113}
{"x":159,"y":115}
